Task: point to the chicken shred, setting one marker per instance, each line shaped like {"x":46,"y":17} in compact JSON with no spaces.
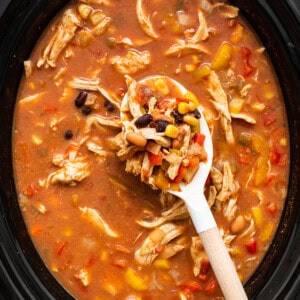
{"x":92,"y":216}
{"x":220,"y":102}
{"x":177,"y":212}
{"x":160,"y":236}
{"x":144,"y":20}
{"x":132,"y":62}
{"x":64,"y":33}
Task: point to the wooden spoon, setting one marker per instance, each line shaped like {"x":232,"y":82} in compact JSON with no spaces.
{"x":193,"y":196}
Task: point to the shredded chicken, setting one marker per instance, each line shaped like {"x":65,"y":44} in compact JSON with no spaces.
{"x":197,"y":253}
{"x":202,"y":32}
{"x":243,"y":116}
{"x":183,"y":48}
{"x":85,"y":84}
{"x":97,"y":120}
{"x":132,"y":62}
{"x":84,"y":277}
{"x":220,"y":102}
{"x":64,"y":33}
{"x":31,"y":99}
{"x":159,"y":237}
{"x":71,"y":171}
{"x":28,"y":68}
{"x":177,"y":212}
{"x":144,"y":20}
{"x":93,"y":216}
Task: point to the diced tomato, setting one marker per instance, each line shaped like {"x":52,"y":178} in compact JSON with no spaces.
{"x":283,"y":160}
{"x":251,"y":246}
{"x":191,"y":286}
{"x":208,"y":180}
{"x":269,"y":118}
{"x":193,"y":162}
{"x":182,"y":100}
{"x":272,"y":208}
{"x":50,"y":108}
{"x":199,"y":138}
{"x":36,"y":230}
{"x":155,"y":159}
{"x":121,"y":263}
{"x":181,"y":173}
{"x":211,"y":287}
{"x":274,"y":157}
{"x":29,"y":190}
{"x":202,"y":277}
{"x":248,"y":69}
{"x":61,"y":247}
{"x":270,"y":178}
{"x":205,"y":265}
{"x":244,"y":155}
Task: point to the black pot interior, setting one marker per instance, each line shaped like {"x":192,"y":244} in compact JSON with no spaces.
{"x":21,"y":266}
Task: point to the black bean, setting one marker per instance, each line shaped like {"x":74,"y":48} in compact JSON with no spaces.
{"x":178,"y":117}
{"x":109,"y":106}
{"x":196,"y":113}
{"x":143,"y":121}
{"x":160,"y":125}
{"x":68,"y":134}
{"x":86,"y":110}
{"x":80,"y":99}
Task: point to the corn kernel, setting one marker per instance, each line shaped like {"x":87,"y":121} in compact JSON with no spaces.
{"x":190,"y":96}
{"x":183,"y":108}
{"x":84,"y":10}
{"x":161,"y":86}
{"x":97,"y":17}
{"x":103,"y":255}
{"x":162,"y":264}
{"x":268,"y":91}
{"x":171,"y":131}
{"x":36,"y":140}
{"x":31,"y":85}
{"x":235,"y":105}
{"x":192,"y":106}
{"x":190,"y":68}
{"x":258,"y":107}
{"x":191,"y":120}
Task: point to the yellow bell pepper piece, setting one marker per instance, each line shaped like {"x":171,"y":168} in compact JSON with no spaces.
{"x":201,"y":72}
{"x":257,"y":215}
{"x":236,"y":105}
{"x":135,"y":281}
{"x":266,"y":232}
{"x":268,"y":91}
{"x":223,"y":57}
{"x":237,"y":35}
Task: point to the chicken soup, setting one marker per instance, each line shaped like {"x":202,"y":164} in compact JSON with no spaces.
{"x":92,"y":174}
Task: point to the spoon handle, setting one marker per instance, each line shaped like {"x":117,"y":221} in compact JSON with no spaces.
{"x":222,"y":265}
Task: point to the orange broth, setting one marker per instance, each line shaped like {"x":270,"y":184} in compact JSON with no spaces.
{"x":88,"y":262}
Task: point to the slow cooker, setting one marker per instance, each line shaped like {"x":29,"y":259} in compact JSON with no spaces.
{"x":22,"y":273}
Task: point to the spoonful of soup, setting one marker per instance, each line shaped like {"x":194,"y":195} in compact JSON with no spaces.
{"x":164,"y":122}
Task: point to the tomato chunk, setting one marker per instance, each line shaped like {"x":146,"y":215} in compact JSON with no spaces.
{"x":251,"y":246}
{"x":191,"y":286}
{"x":199,"y":139}
{"x":155,"y":159}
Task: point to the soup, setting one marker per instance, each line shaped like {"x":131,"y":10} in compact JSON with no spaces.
{"x":100,"y":231}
